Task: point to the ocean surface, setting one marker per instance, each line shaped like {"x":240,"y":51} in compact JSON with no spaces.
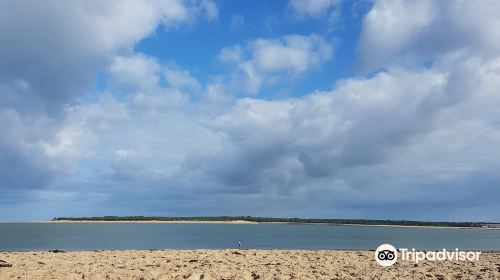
{"x":88,"y":236}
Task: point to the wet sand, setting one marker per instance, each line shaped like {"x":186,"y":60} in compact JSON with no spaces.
{"x":234,"y":264}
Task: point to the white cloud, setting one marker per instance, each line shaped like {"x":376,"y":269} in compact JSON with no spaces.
{"x":81,"y":38}
{"x":411,"y":33}
{"x":150,"y":84}
{"x":142,"y":142}
{"x":136,"y":71}
{"x":50,"y":54}
{"x":211,"y":10}
{"x":182,"y":79}
{"x":405,"y":136}
{"x":264,"y":61}
{"x":315,"y":8}
{"x":34,"y":153}
{"x":145,"y":73}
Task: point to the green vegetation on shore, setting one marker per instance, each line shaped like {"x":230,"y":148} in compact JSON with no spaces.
{"x":278,"y":220}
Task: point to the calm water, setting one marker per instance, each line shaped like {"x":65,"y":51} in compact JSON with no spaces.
{"x":40,"y":236}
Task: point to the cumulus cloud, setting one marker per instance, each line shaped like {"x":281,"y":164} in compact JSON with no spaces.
{"x":137,"y":71}
{"x":148,"y":102}
{"x":415,"y":137}
{"x":370,"y":142}
{"x":151,"y":84}
{"x":408,"y":34}
{"x":36,"y":152}
{"x":357,"y":124}
{"x":404,"y":138}
{"x":82,"y":38}
{"x":265,"y":61}
{"x":180,"y":78}
{"x":50,"y":54}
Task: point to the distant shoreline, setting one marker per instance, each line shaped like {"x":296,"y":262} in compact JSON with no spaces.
{"x":272,"y":220}
{"x":151,"y":222}
{"x":246,"y":222}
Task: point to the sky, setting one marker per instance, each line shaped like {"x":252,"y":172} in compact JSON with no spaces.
{"x":288,"y":108}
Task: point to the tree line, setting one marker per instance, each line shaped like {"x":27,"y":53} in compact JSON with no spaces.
{"x":277,"y":220}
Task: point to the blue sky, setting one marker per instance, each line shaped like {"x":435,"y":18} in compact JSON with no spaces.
{"x":322,"y":108}
{"x":196,"y":48}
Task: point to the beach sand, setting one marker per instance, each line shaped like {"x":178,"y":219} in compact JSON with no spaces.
{"x":234,"y":264}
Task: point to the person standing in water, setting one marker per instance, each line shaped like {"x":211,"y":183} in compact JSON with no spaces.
{"x":239,"y":245}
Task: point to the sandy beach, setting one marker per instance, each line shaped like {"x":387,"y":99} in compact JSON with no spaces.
{"x":233,"y":264}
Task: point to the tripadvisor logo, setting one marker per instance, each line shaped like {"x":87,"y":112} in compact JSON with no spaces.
{"x":387,"y":255}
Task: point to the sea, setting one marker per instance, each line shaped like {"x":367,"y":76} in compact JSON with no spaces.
{"x":122,"y":236}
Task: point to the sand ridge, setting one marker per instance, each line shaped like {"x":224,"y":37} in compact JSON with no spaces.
{"x":234,"y":264}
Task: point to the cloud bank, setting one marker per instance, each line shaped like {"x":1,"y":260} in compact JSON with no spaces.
{"x":414,"y":135}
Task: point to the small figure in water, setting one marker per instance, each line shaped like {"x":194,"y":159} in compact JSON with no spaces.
{"x":239,"y":245}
